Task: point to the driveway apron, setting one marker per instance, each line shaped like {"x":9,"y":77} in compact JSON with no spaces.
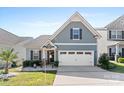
{"x":86,"y":75}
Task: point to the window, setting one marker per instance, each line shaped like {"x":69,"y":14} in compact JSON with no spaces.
{"x":89,"y":53}
{"x":119,"y":34}
{"x":76,"y":33}
{"x":71,"y":52}
{"x":62,"y":52}
{"x":113,"y":50}
{"x":113,"y":34}
{"x":79,"y":52}
{"x":116,"y":35}
{"x":35,"y":55}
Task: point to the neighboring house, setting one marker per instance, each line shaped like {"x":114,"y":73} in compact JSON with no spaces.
{"x":112,"y":41}
{"x":75,"y":43}
{"x":9,"y":40}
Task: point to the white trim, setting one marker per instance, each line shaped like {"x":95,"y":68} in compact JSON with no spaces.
{"x":75,"y":43}
{"x":35,"y":53}
{"x":75,"y":50}
{"x":75,"y":39}
{"x":116,"y":35}
{"x":77,"y":30}
{"x":48,"y":42}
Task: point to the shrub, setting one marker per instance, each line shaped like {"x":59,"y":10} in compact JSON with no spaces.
{"x":37,"y":62}
{"x":2,"y":72}
{"x":13,"y":64}
{"x":30,"y":63}
{"x":104,"y":61}
{"x":26,"y":63}
{"x":121,"y":60}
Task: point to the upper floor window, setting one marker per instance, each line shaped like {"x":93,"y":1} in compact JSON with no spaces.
{"x":119,"y":34}
{"x":116,"y":35}
{"x":113,"y":34}
{"x":76,"y":33}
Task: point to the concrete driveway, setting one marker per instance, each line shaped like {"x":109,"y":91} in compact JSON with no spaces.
{"x":77,"y":75}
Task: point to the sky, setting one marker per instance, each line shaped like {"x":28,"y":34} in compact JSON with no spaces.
{"x":33,"y":22}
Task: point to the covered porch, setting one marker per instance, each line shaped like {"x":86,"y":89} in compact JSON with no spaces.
{"x":49,"y":53}
{"x":116,"y":50}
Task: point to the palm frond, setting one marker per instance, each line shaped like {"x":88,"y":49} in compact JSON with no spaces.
{"x":8,"y":55}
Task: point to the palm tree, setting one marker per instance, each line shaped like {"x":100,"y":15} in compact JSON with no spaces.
{"x":7,"y":55}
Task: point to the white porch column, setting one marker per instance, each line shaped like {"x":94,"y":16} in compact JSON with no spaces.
{"x":117,"y":51}
{"x":54,"y":54}
{"x":44,"y":54}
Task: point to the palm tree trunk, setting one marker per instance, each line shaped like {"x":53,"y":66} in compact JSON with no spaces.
{"x":6,"y":68}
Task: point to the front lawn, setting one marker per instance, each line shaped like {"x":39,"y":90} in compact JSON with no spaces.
{"x":117,"y":67}
{"x":29,"y":79}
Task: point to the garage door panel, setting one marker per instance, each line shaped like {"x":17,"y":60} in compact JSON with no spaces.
{"x":81,"y":58}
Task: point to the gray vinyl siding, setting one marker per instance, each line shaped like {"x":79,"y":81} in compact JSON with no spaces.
{"x":80,"y":47}
{"x":87,"y":37}
{"x":28,"y":54}
{"x":64,"y":36}
{"x":76,"y":47}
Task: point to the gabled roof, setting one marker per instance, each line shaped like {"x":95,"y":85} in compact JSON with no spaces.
{"x":117,"y":24}
{"x":76,"y":17}
{"x":37,"y":42}
{"x":9,"y":38}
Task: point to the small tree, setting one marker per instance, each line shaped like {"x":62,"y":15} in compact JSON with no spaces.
{"x":7,"y":55}
{"x":104,"y":61}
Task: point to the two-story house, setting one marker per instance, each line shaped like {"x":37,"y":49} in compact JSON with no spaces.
{"x":112,"y":41}
{"x":74,"y":43}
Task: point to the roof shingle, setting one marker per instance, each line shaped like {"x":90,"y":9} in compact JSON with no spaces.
{"x":9,"y":38}
{"x":38,"y":42}
{"x":118,"y":24}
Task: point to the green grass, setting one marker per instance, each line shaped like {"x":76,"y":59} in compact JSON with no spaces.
{"x":29,"y":79}
{"x":117,"y":67}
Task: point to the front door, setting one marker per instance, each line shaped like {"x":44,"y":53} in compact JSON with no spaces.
{"x":50,"y":56}
{"x":122,"y":52}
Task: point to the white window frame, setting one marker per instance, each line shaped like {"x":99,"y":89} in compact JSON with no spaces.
{"x":36,"y":54}
{"x":76,"y":31}
{"x":116,"y":34}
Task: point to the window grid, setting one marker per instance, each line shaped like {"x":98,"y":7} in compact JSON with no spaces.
{"x":76,"y":33}
{"x":116,"y":35}
{"x":35,"y":54}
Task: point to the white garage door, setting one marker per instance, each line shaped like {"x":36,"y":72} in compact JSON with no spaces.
{"x":76,"y":58}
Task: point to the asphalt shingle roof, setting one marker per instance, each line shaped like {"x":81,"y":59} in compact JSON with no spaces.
{"x":38,"y":42}
{"x":118,"y":24}
{"x":9,"y":38}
